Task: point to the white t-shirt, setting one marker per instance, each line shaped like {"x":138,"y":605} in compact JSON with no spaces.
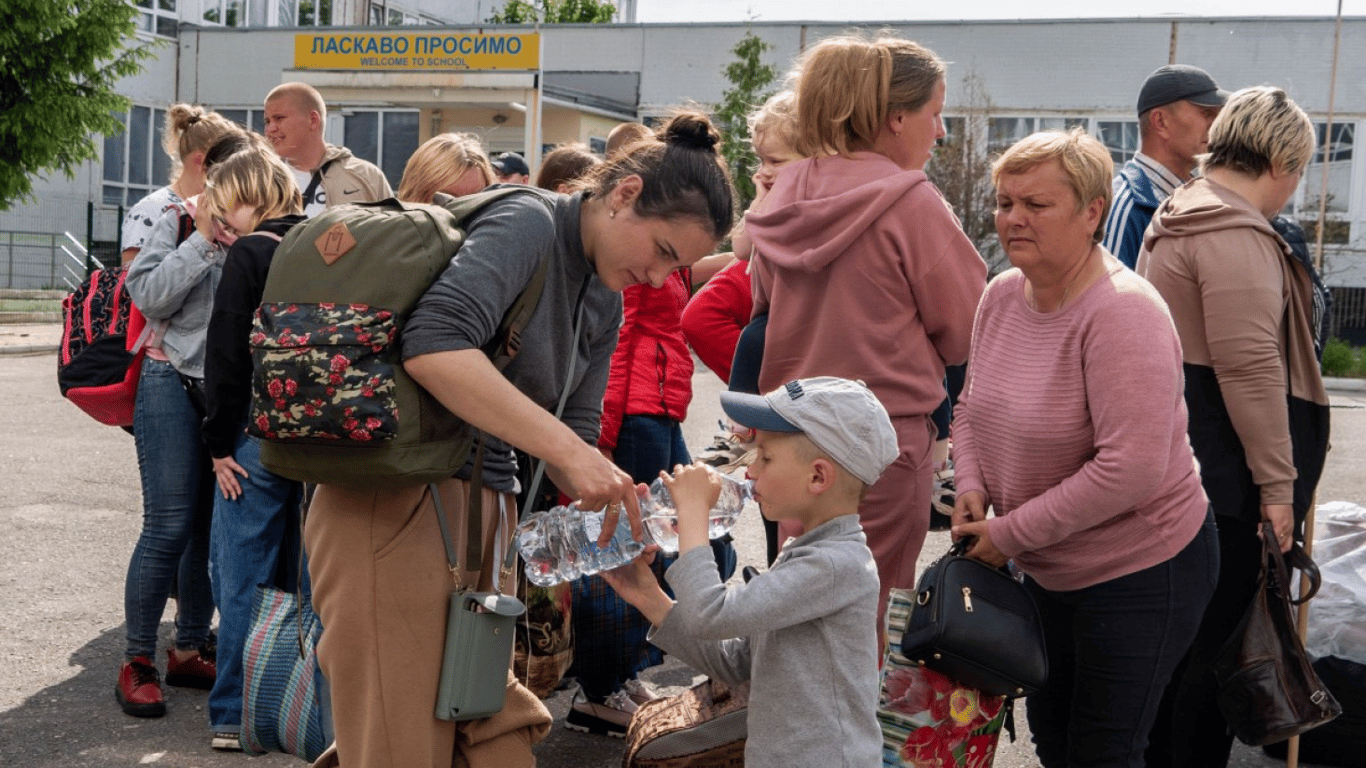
{"x":318,"y":202}
{"x":137,"y":224}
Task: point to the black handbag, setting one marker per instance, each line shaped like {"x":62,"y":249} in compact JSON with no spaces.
{"x":1268,"y":691}
{"x":976,"y":625}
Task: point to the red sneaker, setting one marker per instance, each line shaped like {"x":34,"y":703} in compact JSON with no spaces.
{"x":139,"y":689}
{"x":197,"y":671}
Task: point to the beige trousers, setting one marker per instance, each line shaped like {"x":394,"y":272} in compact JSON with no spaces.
{"x":381,"y":586}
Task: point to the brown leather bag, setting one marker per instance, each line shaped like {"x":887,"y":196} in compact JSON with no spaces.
{"x":704,"y":727}
{"x":1268,"y":691}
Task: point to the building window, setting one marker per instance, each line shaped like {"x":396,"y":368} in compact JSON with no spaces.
{"x":1304,"y":205}
{"x":1005,"y":131}
{"x":386,"y":138}
{"x":134,"y":162}
{"x":227,"y":13}
{"x":268,"y":13}
{"x":255,"y":119}
{"x":1120,"y":137}
{"x":158,"y":17}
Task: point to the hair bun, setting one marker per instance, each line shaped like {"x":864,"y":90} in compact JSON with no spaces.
{"x":182,"y":116}
{"x":692,"y":130}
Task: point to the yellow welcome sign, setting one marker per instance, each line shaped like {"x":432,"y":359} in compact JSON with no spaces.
{"x":441,"y":49}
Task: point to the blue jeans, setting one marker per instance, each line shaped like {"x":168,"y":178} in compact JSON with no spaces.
{"x":177,"y":505}
{"x":255,"y":541}
{"x":1112,"y":647}
{"x":749,"y":357}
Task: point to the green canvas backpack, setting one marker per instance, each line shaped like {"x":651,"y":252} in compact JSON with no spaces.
{"x":331,"y":401}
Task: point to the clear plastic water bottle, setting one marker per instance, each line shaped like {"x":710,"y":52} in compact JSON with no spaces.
{"x":661,"y":515}
{"x":560,"y":544}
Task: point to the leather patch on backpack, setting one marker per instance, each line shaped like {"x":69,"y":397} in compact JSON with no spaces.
{"x":335,"y":242}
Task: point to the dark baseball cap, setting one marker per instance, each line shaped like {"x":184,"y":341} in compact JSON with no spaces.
{"x":510,"y":163}
{"x":1180,"y":82}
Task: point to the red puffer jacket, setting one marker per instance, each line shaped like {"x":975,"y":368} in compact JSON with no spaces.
{"x":651,"y":372}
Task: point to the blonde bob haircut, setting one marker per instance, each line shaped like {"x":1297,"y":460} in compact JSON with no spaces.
{"x":777,"y":117}
{"x":1260,"y":130}
{"x":253,"y":177}
{"x":440,"y":161}
{"x":1083,"y":159}
{"x":848,"y":85}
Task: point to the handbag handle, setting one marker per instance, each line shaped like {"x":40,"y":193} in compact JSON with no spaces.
{"x":1277,"y":566}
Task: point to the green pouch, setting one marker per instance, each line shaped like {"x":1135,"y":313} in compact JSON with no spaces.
{"x":474,"y":668}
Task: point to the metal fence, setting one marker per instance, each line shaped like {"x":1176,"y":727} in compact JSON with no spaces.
{"x":53,"y":244}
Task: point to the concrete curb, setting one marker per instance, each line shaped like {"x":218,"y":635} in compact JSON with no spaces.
{"x":28,"y":349}
{"x":1334,"y":384}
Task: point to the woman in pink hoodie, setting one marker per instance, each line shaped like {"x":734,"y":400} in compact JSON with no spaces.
{"x":863,"y":269}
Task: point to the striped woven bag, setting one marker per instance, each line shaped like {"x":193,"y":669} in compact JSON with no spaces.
{"x":285,"y":701}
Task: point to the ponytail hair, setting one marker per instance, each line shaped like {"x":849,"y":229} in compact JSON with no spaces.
{"x":190,"y":128}
{"x":848,"y":85}
{"x":681,"y":171}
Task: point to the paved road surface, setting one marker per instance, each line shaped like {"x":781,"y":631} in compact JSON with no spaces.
{"x":69,"y":516}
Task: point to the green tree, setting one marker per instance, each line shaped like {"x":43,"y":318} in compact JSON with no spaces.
{"x":961,"y":169}
{"x":59,"y":62}
{"x":750,"y":79}
{"x":554,"y":12}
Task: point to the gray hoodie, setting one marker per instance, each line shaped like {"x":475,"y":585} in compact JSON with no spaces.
{"x":804,"y":634}
{"x":176,"y":284}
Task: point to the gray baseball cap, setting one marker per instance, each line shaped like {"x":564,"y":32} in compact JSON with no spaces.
{"x":842,"y":417}
{"x":1180,"y":82}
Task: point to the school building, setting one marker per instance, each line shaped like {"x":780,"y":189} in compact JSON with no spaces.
{"x":394,"y":74}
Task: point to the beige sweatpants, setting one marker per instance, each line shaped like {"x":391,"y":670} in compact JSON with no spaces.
{"x":381,"y":586}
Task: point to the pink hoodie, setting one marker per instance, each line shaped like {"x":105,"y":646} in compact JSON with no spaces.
{"x":864,"y":273}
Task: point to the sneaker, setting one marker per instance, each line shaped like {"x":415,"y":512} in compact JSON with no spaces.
{"x":226,"y":741}
{"x":139,"y":689}
{"x":728,"y":450}
{"x":638,"y":691}
{"x":942,"y":496}
{"x":610,"y":718}
{"x":197,"y":671}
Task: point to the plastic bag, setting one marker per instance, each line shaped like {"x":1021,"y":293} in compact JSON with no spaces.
{"x":1337,"y":615}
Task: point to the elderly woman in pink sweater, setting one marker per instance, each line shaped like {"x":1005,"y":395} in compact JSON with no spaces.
{"x":862,"y":268}
{"x":1072,"y":428}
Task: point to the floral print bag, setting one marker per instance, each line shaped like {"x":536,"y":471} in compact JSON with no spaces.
{"x":928,"y":720}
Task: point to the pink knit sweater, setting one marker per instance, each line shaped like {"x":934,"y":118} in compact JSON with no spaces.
{"x":1074,"y":426}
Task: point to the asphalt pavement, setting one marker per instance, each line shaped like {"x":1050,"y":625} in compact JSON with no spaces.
{"x":70,"y":511}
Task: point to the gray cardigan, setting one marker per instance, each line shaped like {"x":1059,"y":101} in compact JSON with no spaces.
{"x":176,"y":284}
{"x":502,"y":249}
{"x":804,"y":634}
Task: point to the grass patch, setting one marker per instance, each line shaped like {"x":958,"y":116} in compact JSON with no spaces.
{"x":1342,"y":359}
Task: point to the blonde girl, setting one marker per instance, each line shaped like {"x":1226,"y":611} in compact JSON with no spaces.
{"x":189,"y":132}
{"x":249,"y":203}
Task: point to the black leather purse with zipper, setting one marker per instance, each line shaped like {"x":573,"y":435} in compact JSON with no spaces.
{"x":976,"y":625}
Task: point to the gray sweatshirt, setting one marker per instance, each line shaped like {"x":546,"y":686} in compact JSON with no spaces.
{"x":176,"y":284}
{"x":804,"y":634}
{"x":462,"y":310}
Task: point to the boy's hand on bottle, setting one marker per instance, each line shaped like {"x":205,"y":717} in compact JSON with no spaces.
{"x":695,"y":489}
{"x":635,"y":582}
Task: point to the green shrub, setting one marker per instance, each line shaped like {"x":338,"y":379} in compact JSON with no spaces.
{"x":1339,"y":357}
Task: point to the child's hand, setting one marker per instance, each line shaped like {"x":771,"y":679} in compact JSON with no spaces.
{"x":637,"y":585}
{"x":695,"y":490}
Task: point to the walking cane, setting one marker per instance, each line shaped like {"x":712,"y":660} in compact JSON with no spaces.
{"x":1292,"y":754}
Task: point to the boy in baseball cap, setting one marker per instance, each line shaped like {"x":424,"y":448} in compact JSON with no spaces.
{"x":803,"y":634}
